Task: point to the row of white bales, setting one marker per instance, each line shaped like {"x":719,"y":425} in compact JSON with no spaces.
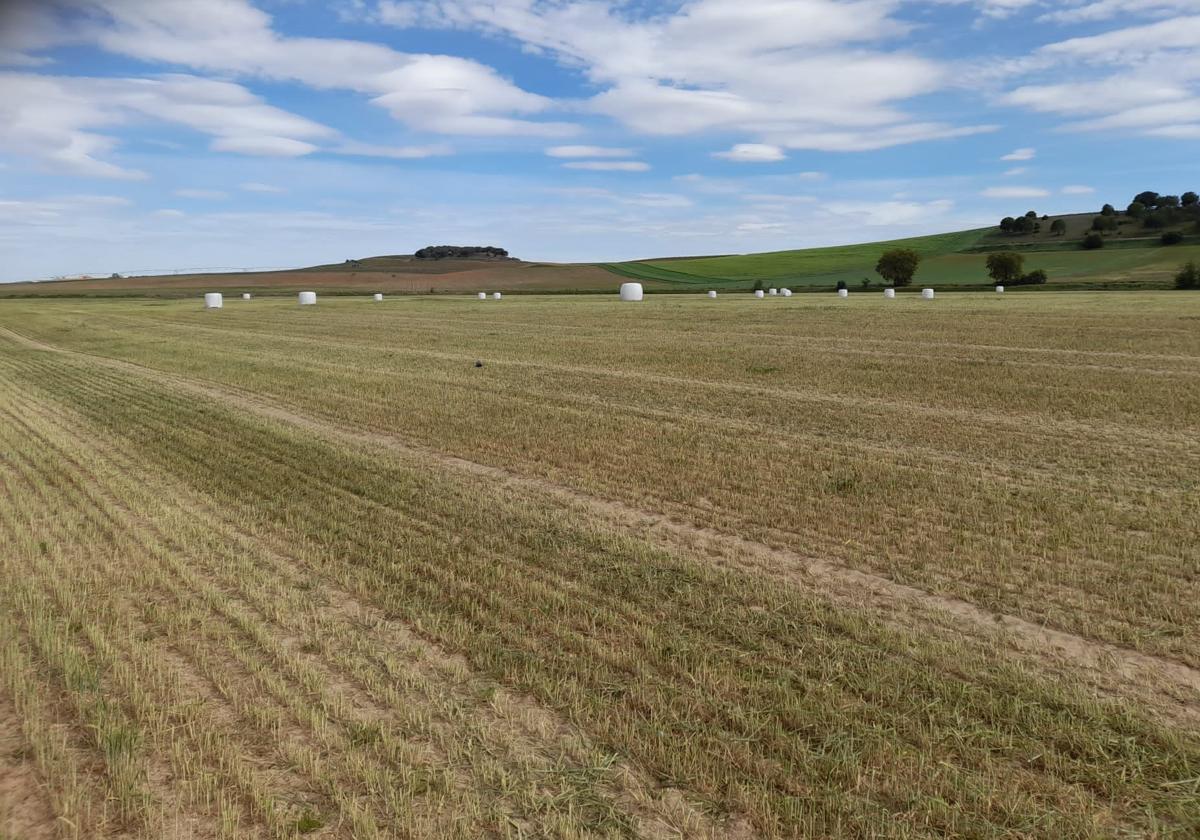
{"x":629,"y":292}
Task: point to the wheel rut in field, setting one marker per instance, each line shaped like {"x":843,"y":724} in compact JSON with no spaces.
{"x":1174,"y":684}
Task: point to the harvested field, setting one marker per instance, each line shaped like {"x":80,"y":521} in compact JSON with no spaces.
{"x":690,"y":568}
{"x":412,"y":277}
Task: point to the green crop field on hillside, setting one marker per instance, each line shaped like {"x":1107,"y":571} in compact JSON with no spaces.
{"x":953,"y":259}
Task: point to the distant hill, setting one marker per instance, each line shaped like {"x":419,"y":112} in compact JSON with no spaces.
{"x":1133,"y":255}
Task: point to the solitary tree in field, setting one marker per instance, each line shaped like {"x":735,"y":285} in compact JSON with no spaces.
{"x":1108,"y":210}
{"x":1058,"y":227}
{"x":1005,"y":267}
{"x":898,"y":266}
{"x":1093,"y":242}
{"x":1188,"y":277}
{"x":1189,"y":198}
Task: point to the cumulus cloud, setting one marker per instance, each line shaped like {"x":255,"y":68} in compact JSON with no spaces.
{"x":1015,"y":192}
{"x":888,"y":213}
{"x":1098,"y":10}
{"x":393,"y":152}
{"x":588,"y":152}
{"x":1138,"y":79}
{"x":608,"y":165}
{"x":263,"y":145}
{"x":1020,"y":154}
{"x":202,"y":194}
{"x":753,"y":153}
{"x":764,"y":69}
{"x":56,"y":118}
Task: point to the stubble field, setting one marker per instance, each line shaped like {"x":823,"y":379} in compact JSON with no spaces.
{"x":779,"y":568}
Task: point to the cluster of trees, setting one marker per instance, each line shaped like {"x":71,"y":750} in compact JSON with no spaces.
{"x":1148,"y":209}
{"x":441,"y":252}
{"x":1028,"y":223}
{"x":1008,"y":269}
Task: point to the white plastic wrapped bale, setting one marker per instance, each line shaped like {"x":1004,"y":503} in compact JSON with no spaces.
{"x":843,"y":293}
{"x":712,"y":294}
{"x":631,"y":291}
{"x":483,"y":295}
{"x":999,"y":290}
{"x":496,"y":296}
{"x":772,"y":291}
{"x":213,"y":300}
{"x":758,"y":293}
{"x":245,"y":296}
{"x":378,"y":297}
{"x":889,"y":293}
{"x":785,"y":292}
{"x":927,"y":294}
{"x":308,"y":298}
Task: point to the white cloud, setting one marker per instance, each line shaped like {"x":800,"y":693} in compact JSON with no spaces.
{"x":1176,"y":132}
{"x":797,"y":74}
{"x":608,"y":165}
{"x":753,"y":153}
{"x":263,"y":145}
{"x":1133,"y":44}
{"x":394,"y":152}
{"x":1151,"y":85}
{"x":1078,"y":189}
{"x":1021,"y":154}
{"x":438,"y":93}
{"x":254,"y":186}
{"x":757,"y":227}
{"x":1016,"y":170}
{"x":887,"y":213}
{"x":169,"y":213}
{"x":588,"y":152}
{"x":202,"y":194}
{"x":1015,"y":192}
{"x":55,"y":118}
{"x":1088,"y":12}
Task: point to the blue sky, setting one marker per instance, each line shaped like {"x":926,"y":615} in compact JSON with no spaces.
{"x":146,"y":135}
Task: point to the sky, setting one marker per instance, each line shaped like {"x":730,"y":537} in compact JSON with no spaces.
{"x":139,"y":136}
